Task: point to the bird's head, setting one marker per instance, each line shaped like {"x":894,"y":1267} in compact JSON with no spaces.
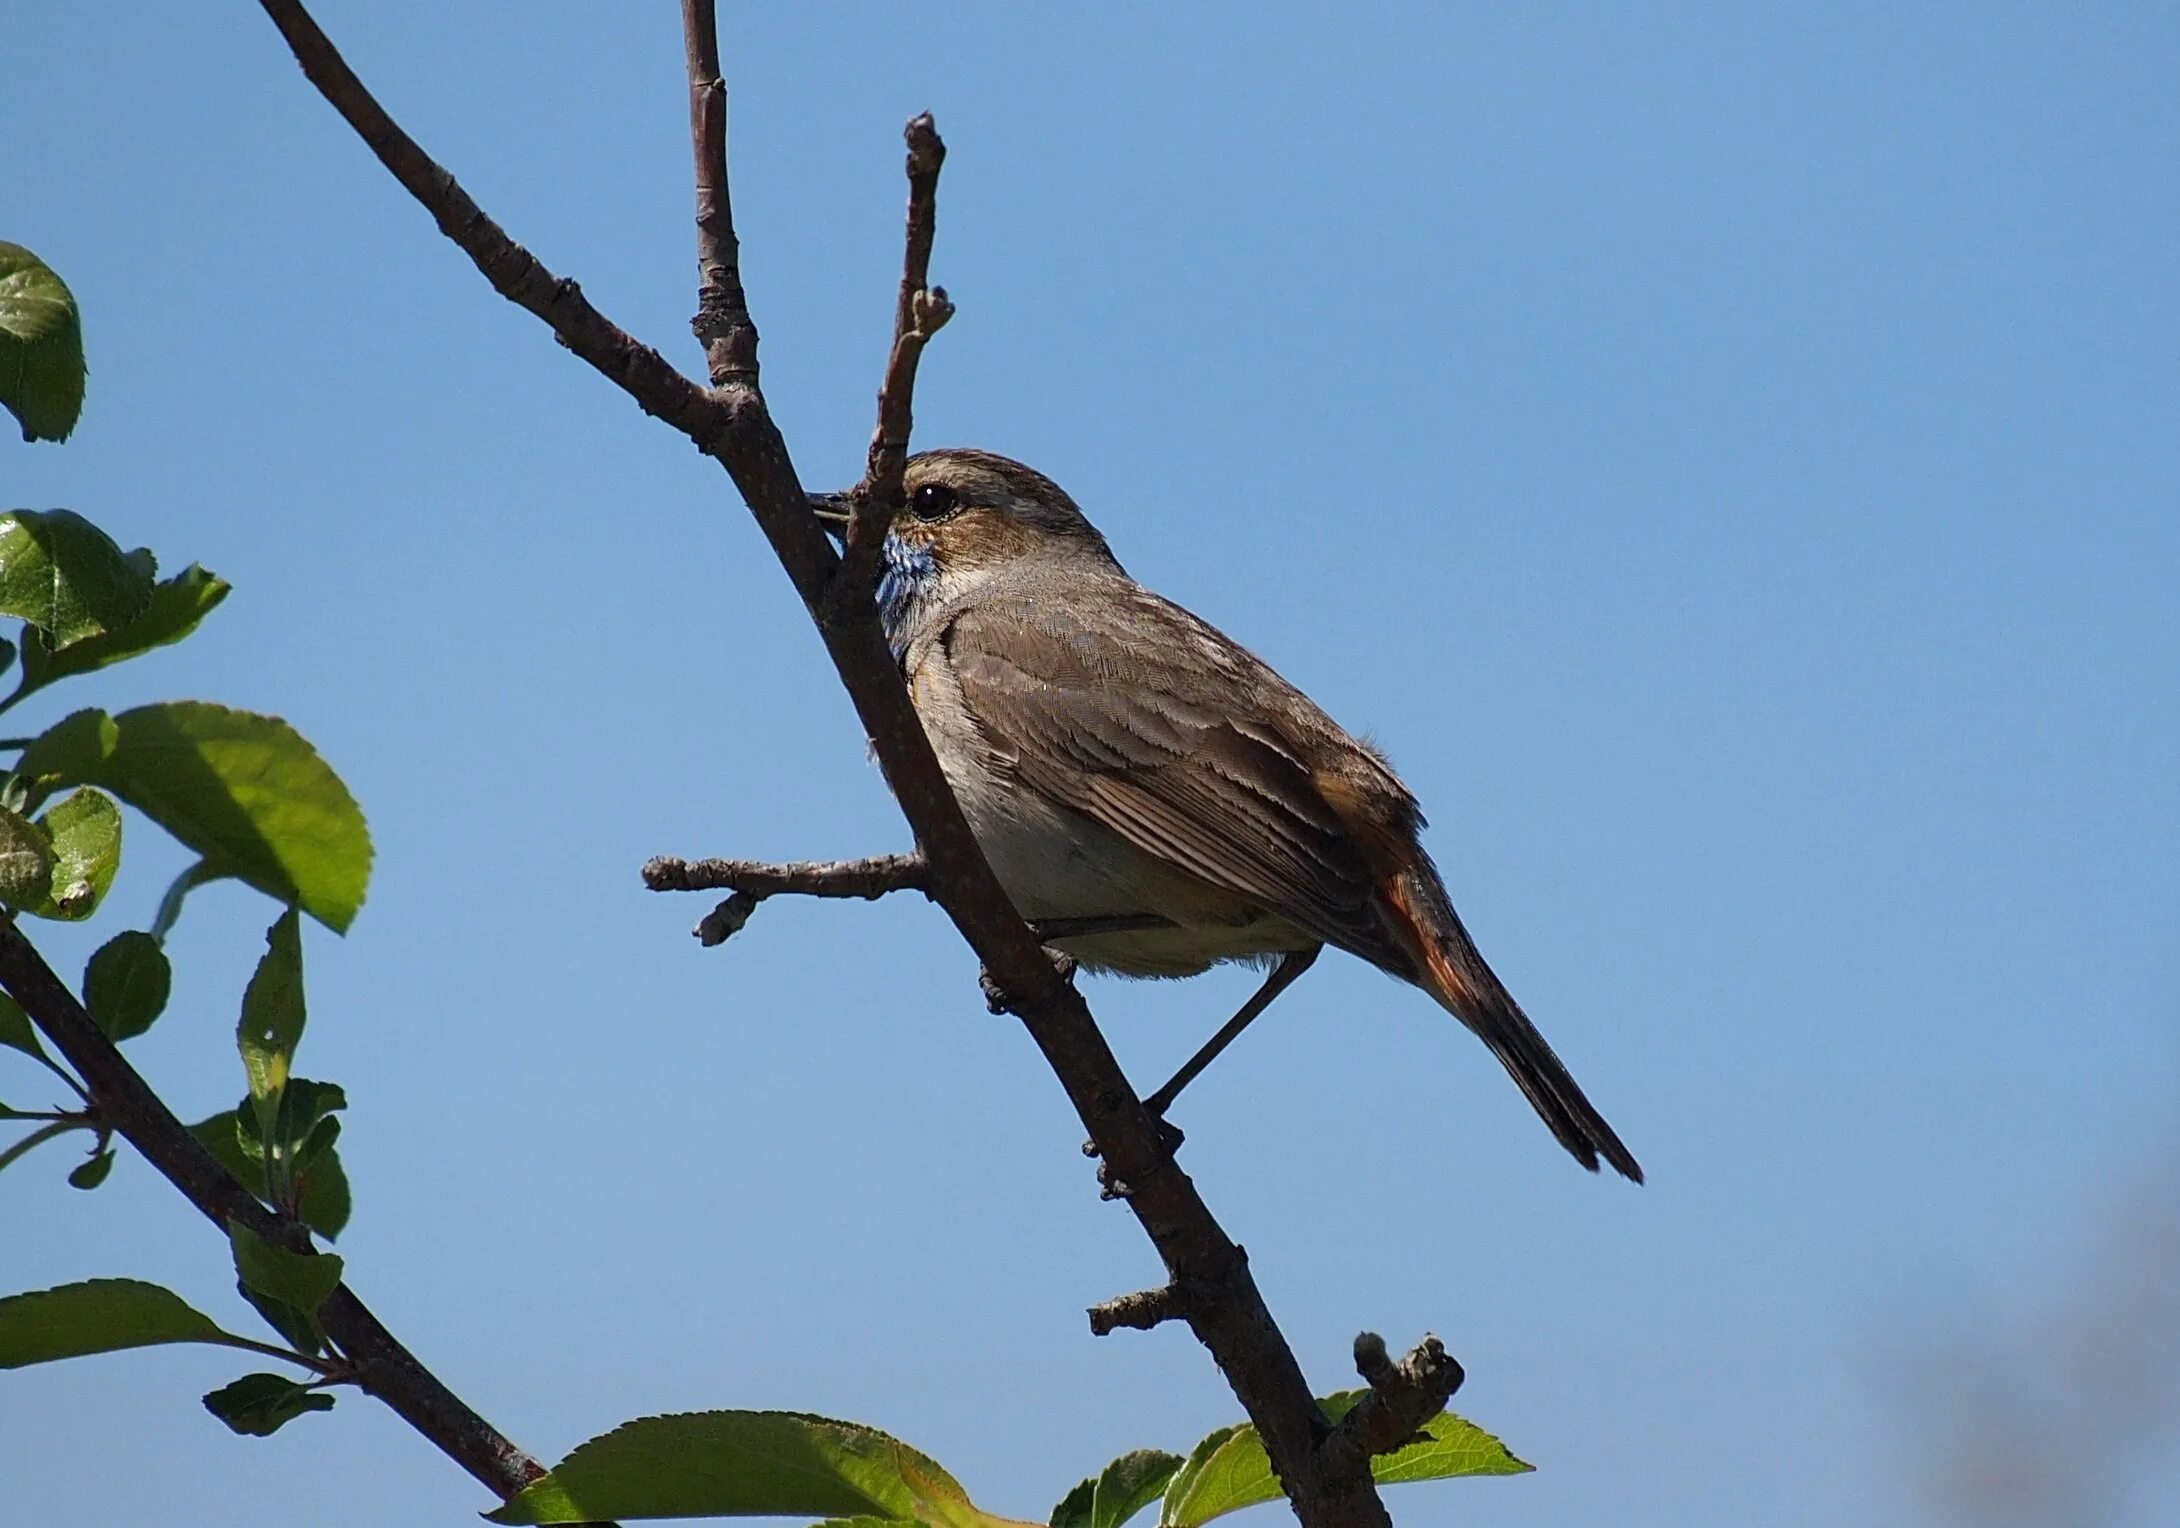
{"x":971,"y":512}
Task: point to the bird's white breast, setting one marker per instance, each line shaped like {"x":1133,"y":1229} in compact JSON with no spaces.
{"x":1056,"y":863}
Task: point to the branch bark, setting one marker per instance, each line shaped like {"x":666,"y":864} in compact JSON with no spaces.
{"x":722,"y":323}
{"x":1403,"y":1396}
{"x":126,"y":1103}
{"x":730,"y":423}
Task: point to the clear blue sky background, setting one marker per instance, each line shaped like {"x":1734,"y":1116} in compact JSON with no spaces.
{"x":1727,"y":458}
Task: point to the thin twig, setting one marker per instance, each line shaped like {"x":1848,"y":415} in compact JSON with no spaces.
{"x":125,"y":1101}
{"x":1403,"y":1396}
{"x":1142,"y":1310}
{"x":752,"y":881}
{"x":722,"y":323}
{"x":919,"y":311}
{"x":866,"y":878}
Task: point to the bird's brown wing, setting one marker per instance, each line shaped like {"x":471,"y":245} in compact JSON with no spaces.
{"x":1126,"y":708}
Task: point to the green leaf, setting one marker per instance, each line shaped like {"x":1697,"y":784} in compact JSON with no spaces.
{"x":300,"y":1279}
{"x":85,"y":830}
{"x":126,"y":984}
{"x":73,"y":750}
{"x":1450,"y":1446}
{"x":99,"y":1316}
{"x":272,"y":1018}
{"x":67,"y":577}
{"x":41,"y":346}
{"x":15,"y":1030}
{"x":323,"y":1204}
{"x":92,"y":1173}
{"x":1118,"y":1492}
{"x":245,"y":791}
{"x":1229,"y":1470}
{"x":26,"y":861}
{"x":16,"y":1033}
{"x":174,"y":610}
{"x":745,"y":1464}
{"x":259,"y":1405}
{"x":299,"y":1329}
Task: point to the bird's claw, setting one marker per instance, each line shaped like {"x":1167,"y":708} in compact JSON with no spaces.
{"x":995,"y":996}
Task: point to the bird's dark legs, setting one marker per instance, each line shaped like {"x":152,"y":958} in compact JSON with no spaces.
{"x":1048,"y":930}
{"x":1291,"y":965}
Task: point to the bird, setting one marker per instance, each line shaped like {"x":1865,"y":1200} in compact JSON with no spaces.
{"x":1153,"y":798}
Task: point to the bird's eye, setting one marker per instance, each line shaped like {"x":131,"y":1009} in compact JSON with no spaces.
{"x":933,"y":501}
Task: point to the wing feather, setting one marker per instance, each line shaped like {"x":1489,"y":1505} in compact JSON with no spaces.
{"x":1127,"y":709}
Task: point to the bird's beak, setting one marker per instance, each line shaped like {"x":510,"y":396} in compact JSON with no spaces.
{"x":832,"y":512}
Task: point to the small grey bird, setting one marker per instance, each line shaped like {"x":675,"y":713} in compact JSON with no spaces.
{"x":1132,"y":772}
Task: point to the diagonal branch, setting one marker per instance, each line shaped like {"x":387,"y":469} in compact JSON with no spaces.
{"x":126,"y":1103}
{"x":731,"y":424}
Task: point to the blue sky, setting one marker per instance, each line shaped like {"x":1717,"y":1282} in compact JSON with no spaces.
{"x":1725,"y":457}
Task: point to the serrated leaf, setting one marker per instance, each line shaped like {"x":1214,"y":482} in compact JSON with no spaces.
{"x":26,"y":861}
{"x":67,"y":577}
{"x":176,"y":607}
{"x":85,"y":831}
{"x":97,"y":1316}
{"x":1118,"y":1492}
{"x":1229,"y":1469}
{"x":746,"y":1464}
{"x":126,"y":984}
{"x":245,"y":791}
{"x":300,"y":1279}
{"x":41,"y":347}
{"x":93,"y":1172}
{"x":259,"y":1405}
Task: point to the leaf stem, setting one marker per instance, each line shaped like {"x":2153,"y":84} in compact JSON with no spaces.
{"x":37,"y":1138}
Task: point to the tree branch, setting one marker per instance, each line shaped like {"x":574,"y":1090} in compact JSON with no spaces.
{"x":919,"y":311}
{"x":722,"y":323}
{"x":731,"y":423}
{"x":1403,"y":1396}
{"x":752,"y":881}
{"x":865,"y":878}
{"x":126,"y":1103}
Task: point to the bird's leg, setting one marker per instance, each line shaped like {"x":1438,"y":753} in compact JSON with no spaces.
{"x":995,"y":996}
{"x":1049,"y":930}
{"x":1291,"y":965}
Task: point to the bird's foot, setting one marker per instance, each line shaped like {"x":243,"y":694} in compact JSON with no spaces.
{"x":995,"y":996}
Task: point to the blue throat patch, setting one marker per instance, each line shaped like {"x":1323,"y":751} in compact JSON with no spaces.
{"x":909,"y":574}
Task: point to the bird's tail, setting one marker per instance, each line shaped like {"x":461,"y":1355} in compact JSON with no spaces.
{"x":1450,"y":968}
